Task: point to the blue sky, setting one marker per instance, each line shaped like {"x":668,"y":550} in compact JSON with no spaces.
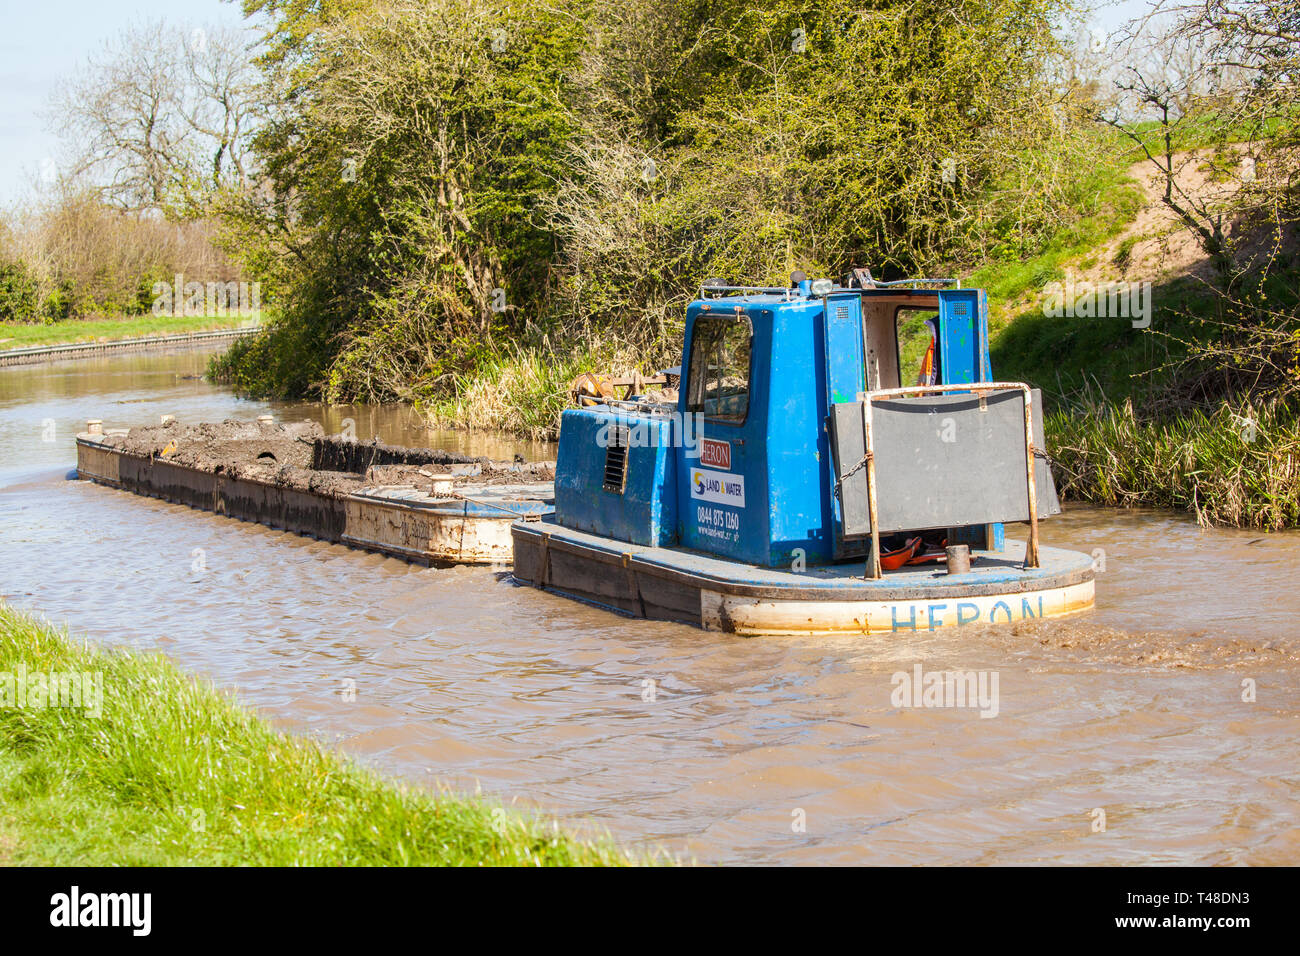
{"x":44,"y":41}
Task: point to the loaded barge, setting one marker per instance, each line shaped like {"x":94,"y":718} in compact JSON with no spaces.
{"x":426,"y":506}
{"x":803,"y":480}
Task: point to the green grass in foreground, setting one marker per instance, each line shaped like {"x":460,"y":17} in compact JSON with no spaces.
{"x":173,"y":772}
{"x":17,"y":335}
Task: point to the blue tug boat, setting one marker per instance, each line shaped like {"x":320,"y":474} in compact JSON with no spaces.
{"x":804,"y":481}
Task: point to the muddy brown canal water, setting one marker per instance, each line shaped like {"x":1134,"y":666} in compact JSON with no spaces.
{"x":717,"y":748}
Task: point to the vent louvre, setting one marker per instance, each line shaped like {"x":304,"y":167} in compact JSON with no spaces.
{"x":616,"y":461}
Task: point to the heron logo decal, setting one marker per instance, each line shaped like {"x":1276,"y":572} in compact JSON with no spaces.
{"x":715,"y":454}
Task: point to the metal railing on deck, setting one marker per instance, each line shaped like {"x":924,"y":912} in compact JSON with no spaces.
{"x":873,"y":569}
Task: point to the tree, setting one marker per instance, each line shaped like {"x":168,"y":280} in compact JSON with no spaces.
{"x":1214,"y":83}
{"x":745,"y":140}
{"x":402,"y":176}
{"x":445,"y":177}
{"x":162,"y":118}
{"x":225,"y":101}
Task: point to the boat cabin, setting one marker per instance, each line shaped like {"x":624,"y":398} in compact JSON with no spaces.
{"x":763,"y":458}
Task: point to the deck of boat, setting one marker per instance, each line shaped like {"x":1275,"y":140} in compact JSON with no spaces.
{"x":468,"y":525}
{"x":703,"y":589}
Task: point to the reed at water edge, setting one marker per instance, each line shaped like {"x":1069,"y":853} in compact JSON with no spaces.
{"x":1236,"y":465}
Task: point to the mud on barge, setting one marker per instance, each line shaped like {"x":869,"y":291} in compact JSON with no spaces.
{"x":427,"y":506}
{"x":800,"y":483}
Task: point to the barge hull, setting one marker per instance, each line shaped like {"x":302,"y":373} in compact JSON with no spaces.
{"x":384,"y":520}
{"x":717,"y":595}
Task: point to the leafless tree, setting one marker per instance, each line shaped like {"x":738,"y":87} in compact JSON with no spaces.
{"x":1216,"y":82}
{"x":162,"y":115}
{"x":1222,"y":74}
{"x":225,"y":100}
{"x":1161,"y":91}
{"x":124,"y":112}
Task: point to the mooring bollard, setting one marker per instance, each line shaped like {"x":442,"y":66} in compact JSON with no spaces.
{"x":958,"y":558}
{"x":94,"y":426}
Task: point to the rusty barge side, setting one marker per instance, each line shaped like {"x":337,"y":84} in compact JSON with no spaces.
{"x":467,"y":524}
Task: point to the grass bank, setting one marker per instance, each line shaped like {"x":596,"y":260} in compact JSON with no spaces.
{"x":1127,"y":424}
{"x":172,"y":772}
{"x":17,"y":335}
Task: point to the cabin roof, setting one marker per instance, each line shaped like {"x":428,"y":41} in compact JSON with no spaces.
{"x":747,"y":296}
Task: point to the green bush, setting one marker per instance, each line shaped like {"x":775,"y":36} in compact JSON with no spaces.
{"x":57,"y":303}
{"x":465,"y":177}
{"x":19,"y":293}
{"x":1234,"y":464}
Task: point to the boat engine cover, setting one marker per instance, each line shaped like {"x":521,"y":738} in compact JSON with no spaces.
{"x":615,"y":476}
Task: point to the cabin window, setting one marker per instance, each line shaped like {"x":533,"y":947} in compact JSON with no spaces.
{"x":718,"y":386}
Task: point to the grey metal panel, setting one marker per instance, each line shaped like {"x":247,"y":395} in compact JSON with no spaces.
{"x":942,"y":461}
